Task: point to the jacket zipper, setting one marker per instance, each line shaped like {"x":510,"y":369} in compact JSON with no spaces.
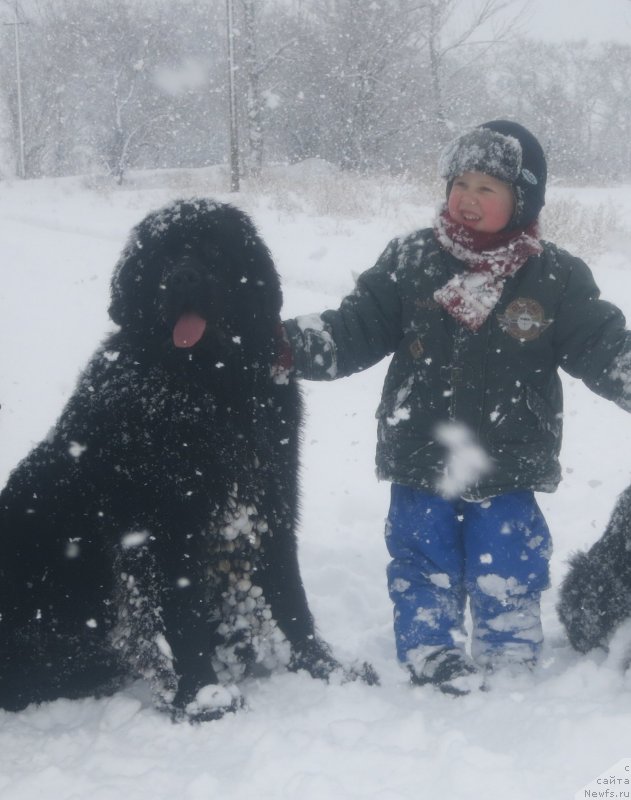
{"x":456,"y":371}
{"x":485,"y":366}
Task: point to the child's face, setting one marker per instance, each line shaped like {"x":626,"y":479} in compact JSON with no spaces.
{"x":481,"y":202}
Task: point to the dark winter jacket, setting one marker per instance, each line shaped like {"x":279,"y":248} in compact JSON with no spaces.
{"x":501,"y":382}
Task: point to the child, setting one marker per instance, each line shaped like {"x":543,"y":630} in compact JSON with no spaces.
{"x":479,"y":314}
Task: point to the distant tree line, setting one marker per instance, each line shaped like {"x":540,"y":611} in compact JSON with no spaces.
{"x":110,"y":85}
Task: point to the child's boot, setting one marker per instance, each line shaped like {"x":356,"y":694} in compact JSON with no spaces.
{"x":448,"y":669}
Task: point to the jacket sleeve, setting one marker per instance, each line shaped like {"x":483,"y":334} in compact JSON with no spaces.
{"x":365,"y":328}
{"x":593,"y":342}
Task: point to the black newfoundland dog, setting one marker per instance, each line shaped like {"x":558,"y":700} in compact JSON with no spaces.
{"x":152,"y":533}
{"x":595,"y":595}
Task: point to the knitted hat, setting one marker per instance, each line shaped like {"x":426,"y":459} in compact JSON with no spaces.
{"x":505,"y":150}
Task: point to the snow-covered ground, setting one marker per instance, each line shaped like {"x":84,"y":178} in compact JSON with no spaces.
{"x":543,"y":737}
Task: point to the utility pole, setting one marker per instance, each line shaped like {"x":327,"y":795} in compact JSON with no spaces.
{"x":18,"y":77}
{"x":234,"y":128}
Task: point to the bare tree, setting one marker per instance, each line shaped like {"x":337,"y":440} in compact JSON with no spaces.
{"x":122,"y":51}
{"x":614,"y":111}
{"x":43,"y":66}
{"x":452,"y":41}
{"x":254,"y":68}
{"x":355,"y":84}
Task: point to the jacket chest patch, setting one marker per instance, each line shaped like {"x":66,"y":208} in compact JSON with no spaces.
{"x":524,"y":319}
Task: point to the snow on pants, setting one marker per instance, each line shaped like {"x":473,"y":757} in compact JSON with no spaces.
{"x":495,"y":551}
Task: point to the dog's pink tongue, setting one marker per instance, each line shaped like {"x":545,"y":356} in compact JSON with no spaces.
{"x":188,"y":330}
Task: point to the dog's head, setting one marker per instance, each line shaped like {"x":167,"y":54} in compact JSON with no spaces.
{"x":196,"y":277}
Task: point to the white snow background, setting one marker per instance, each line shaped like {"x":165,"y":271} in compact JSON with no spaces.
{"x":543,"y":737}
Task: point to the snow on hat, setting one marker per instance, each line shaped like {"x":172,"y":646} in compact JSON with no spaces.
{"x":505,"y":150}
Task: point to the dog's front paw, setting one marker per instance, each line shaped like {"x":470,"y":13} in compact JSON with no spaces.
{"x":318,"y":661}
{"x":315,"y":657}
{"x":364,"y":672}
{"x":210,"y":702}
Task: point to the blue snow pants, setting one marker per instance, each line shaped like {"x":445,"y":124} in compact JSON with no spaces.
{"x":495,"y":552}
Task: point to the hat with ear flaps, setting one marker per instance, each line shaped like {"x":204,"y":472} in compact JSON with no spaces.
{"x":507,"y":151}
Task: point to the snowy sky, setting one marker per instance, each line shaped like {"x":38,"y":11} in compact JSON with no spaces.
{"x":594,"y":20}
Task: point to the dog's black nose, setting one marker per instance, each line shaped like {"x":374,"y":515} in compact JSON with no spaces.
{"x":185,"y":279}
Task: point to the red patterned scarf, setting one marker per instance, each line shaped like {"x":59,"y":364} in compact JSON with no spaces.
{"x":490,"y":259}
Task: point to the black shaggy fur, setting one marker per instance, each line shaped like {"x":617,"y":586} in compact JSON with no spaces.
{"x":152,"y":533}
{"x":595,"y":595}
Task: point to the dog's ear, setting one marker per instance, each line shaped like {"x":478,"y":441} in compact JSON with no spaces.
{"x":118,"y":303}
{"x":263,"y":285}
{"x":116,"y":307}
{"x":136,"y":277}
{"x":125,"y":287}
